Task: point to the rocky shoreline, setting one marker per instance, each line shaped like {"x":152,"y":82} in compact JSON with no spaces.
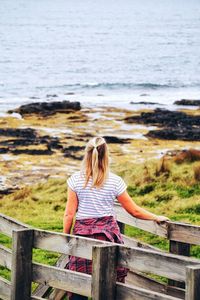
{"x":49,"y":140}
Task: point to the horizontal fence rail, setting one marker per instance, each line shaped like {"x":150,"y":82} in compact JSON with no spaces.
{"x":139,"y":257}
{"x":176,"y":231}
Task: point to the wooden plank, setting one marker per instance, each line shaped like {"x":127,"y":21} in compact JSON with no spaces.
{"x":127,"y":292}
{"x":65,"y":243}
{"x":185,"y":233}
{"x":193,"y":283}
{"x":5,"y":257}
{"x":143,"y":281}
{"x":104,"y":272}
{"x":43,"y":289}
{"x":131,"y":242}
{"x":8,"y":224}
{"x":149,"y":226}
{"x":5,"y":289}
{"x":21,"y":275}
{"x":66,"y":280}
{"x":163,"y":264}
{"x":180,"y":249}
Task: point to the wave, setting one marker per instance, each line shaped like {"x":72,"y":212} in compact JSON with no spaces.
{"x":118,"y":86}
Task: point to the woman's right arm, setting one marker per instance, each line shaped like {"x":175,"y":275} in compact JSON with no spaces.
{"x":136,"y":211}
{"x":70,"y":210}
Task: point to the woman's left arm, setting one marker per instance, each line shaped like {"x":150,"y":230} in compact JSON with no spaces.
{"x":70,"y":210}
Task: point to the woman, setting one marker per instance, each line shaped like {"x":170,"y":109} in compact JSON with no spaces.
{"x":91,"y":195}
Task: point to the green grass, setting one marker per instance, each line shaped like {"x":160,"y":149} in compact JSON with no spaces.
{"x":175,"y":194}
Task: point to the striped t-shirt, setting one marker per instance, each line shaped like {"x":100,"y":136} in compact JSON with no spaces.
{"x":96,"y":202}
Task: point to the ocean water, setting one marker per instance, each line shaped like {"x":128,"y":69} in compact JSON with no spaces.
{"x":100,"y":52}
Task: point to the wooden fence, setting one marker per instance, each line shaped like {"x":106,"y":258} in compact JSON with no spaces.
{"x":140,"y":258}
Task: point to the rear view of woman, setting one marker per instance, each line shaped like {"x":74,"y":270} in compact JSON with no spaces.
{"x":91,"y":195}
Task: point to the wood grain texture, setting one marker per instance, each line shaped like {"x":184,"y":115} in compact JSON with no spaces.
{"x":127,"y":292}
{"x":43,"y":289}
{"x":66,"y":280}
{"x":8,"y":224}
{"x":21,"y":275}
{"x":104,"y":274}
{"x":149,"y":226}
{"x":193,"y":283}
{"x":5,"y":257}
{"x":143,"y":281}
{"x":5,"y":289}
{"x":163,"y":264}
{"x":185,"y":233}
{"x":180,"y":249}
{"x":65,"y":243}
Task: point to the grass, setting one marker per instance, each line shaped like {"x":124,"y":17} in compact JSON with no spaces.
{"x":174,"y":194}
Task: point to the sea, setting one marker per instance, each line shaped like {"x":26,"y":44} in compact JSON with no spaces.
{"x":99,"y":52}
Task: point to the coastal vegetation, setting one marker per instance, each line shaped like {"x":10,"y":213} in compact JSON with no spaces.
{"x":174,"y":192}
{"x":39,"y":151}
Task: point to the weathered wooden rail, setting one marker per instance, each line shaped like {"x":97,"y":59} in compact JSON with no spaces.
{"x":140,"y":258}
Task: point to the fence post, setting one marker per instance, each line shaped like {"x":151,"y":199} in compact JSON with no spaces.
{"x":180,"y":249}
{"x":192,"y":283}
{"x":21,"y":274}
{"x":104,"y":272}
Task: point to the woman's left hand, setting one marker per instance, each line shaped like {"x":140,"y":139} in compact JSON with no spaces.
{"x":161,"y":219}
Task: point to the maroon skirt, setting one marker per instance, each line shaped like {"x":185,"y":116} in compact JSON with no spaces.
{"x":105,"y":229}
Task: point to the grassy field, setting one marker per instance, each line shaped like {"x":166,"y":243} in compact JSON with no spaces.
{"x":172,"y":190}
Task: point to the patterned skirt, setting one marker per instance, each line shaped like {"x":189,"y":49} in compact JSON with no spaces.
{"x":105,"y":229}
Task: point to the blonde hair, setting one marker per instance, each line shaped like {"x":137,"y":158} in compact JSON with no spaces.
{"x":96,"y":162}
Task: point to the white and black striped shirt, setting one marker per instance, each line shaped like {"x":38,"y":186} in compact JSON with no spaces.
{"x":96,"y":202}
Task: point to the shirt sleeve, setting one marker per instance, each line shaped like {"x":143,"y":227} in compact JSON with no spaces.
{"x":121,"y":186}
{"x":71,"y":182}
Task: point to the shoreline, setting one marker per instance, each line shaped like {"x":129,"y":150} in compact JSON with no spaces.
{"x":56,"y":147}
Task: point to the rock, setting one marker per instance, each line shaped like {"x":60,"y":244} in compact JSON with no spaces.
{"x":163,"y":117}
{"x":171,"y":133}
{"x":145,"y":103}
{"x":7,"y":191}
{"x":27,"y":137}
{"x":51,"y":96}
{"x":24,"y":133}
{"x":47,"y":108}
{"x":69,"y":94}
{"x":175,"y":125}
{"x":69,"y":152}
{"x":187,"y":102}
{"x":116,"y":140}
{"x":32,"y":151}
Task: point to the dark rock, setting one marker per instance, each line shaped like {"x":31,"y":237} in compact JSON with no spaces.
{"x":69,"y":152}
{"x":33,"y":97}
{"x":47,"y":108}
{"x":145,"y":103}
{"x":116,"y":140}
{"x":144,"y":95}
{"x":163,"y":117}
{"x":31,"y":151}
{"x":175,"y":125}
{"x":26,"y":132}
{"x":7,"y":191}
{"x":4,"y":150}
{"x":79,"y":119}
{"x":186,"y":134}
{"x":52,"y":96}
{"x":69,"y":94}
{"x":27,"y":137}
{"x":187,"y":102}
